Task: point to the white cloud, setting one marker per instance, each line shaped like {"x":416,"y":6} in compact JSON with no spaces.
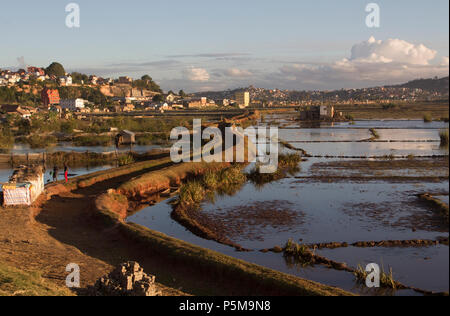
{"x":235,"y":72}
{"x":196,"y":74}
{"x":392,"y":50}
{"x":371,"y":63}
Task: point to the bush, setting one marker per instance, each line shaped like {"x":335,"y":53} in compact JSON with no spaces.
{"x":36,"y":141}
{"x":427,"y":118}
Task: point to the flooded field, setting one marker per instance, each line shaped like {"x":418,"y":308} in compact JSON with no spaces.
{"x":340,"y":200}
{"x":69,"y":147}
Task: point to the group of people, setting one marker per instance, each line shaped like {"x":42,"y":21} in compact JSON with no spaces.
{"x":56,"y":171}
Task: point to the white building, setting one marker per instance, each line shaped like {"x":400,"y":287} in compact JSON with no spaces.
{"x":65,"y":81}
{"x":72,"y":104}
{"x":243,"y":99}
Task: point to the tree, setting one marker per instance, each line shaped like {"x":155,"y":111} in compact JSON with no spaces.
{"x":146,"y":82}
{"x":55,"y":69}
{"x":182,"y":94}
{"x":158,"y":98}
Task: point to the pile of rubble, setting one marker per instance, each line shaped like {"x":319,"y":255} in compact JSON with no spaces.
{"x":128,"y":279}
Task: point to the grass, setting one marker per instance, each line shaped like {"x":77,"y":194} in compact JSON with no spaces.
{"x":444,"y":138}
{"x":155,"y":181}
{"x":37,"y":141}
{"x":126,"y":160}
{"x":287,"y":164}
{"x":91,"y":179}
{"x":403,"y":110}
{"x":386,"y":278}
{"x":6,"y":140}
{"x":14,"y":282}
{"x":192,"y":193}
{"x":226,"y":181}
{"x":96,"y":140}
{"x":152,"y":139}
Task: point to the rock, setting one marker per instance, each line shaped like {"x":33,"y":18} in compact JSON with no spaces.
{"x":128,"y":279}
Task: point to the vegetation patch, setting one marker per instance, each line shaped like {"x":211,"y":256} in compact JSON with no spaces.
{"x":386,"y":278}
{"x":444,"y":138}
{"x":14,"y":282}
{"x":288,"y":164}
{"x":95,"y":140}
{"x":126,"y":160}
{"x":427,"y":118}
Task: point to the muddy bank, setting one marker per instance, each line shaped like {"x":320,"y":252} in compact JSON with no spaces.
{"x":140,"y":188}
{"x":372,"y":244}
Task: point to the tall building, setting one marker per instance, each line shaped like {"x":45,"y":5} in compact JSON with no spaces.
{"x":50,"y":96}
{"x":72,"y":104}
{"x":243,"y":99}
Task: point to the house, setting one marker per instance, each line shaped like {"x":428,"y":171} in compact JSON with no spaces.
{"x":36,"y":71}
{"x":72,"y":104}
{"x":317,"y":113}
{"x":310,"y":113}
{"x":326,"y":111}
{"x":125,"y":80}
{"x":125,"y":137}
{"x":16,"y":110}
{"x":65,"y":81}
{"x":50,"y":96}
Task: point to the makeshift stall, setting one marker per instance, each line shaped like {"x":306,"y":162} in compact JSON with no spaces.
{"x":24,"y":187}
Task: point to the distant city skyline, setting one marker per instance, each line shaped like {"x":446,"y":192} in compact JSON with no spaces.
{"x":210,"y":45}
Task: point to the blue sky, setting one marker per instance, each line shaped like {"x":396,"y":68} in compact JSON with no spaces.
{"x":202,"y":45}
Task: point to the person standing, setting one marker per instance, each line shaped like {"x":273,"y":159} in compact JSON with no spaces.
{"x":55,"y":173}
{"x":66,"y":173}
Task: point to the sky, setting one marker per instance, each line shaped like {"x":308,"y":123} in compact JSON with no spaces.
{"x":201,"y":45}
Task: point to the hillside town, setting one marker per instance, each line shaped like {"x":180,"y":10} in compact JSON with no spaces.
{"x":25,"y":92}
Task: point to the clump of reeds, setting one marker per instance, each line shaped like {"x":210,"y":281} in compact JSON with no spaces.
{"x":427,"y":118}
{"x":374,"y":133}
{"x":227,"y":181}
{"x":126,"y":160}
{"x":444,"y":138}
{"x":301,"y":253}
{"x":386,"y":278}
{"x":211,"y":180}
{"x":288,"y":164}
{"x":350,"y":117}
{"x":231,"y":180}
{"x":192,"y":193}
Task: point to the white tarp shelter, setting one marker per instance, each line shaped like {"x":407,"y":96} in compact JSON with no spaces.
{"x":24,"y":187}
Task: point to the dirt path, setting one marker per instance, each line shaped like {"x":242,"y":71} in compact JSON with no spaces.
{"x":62,"y":232}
